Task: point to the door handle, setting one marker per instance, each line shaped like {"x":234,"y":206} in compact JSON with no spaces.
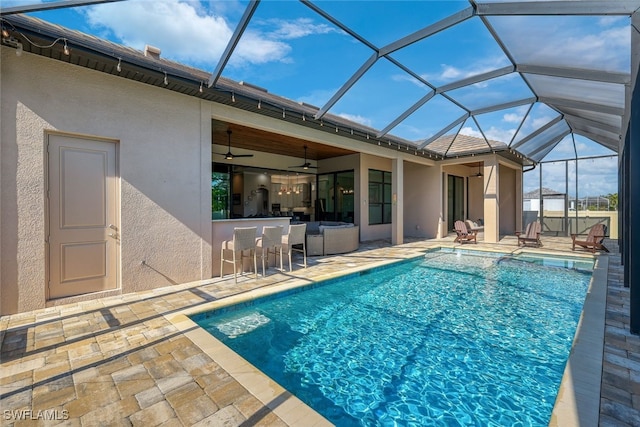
{"x":114,"y":235}
{"x":113,"y":227}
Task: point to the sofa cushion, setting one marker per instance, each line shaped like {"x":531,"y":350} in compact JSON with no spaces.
{"x":334,"y":227}
{"x":313,"y":227}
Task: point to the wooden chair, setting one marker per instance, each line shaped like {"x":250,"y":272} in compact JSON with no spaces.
{"x":594,"y":239}
{"x":463,"y":233}
{"x":531,"y":235}
{"x":269,"y":242}
{"x":244,"y":239}
{"x":295,"y":237}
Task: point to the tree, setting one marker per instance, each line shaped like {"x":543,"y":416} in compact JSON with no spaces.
{"x":613,"y":201}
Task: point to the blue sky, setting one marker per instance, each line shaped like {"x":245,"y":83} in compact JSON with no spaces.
{"x":294,"y":52}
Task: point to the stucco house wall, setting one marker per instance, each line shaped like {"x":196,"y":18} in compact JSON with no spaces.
{"x":422,"y":188}
{"x":165,"y":195}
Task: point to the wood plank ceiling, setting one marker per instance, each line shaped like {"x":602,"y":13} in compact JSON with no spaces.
{"x":257,"y":140}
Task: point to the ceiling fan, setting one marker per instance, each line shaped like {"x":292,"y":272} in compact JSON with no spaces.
{"x":479,"y":174}
{"x":305,"y":165}
{"x":229,"y":155}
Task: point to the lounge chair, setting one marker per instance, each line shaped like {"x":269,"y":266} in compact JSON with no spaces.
{"x":472,"y":225}
{"x":463,"y":233}
{"x":531,"y":235}
{"x":594,"y":239}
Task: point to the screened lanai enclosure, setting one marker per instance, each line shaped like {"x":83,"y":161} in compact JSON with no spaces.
{"x":549,"y":85}
{"x":570,"y":196}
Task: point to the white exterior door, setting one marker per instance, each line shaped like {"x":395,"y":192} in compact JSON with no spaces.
{"x":83,"y":216}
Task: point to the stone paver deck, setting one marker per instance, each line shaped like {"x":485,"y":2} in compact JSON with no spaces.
{"x":130,"y":360}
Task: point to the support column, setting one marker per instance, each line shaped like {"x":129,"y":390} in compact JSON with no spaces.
{"x":397,"y":212}
{"x":518,"y":198}
{"x":633,"y":181}
{"x":491,"y":201}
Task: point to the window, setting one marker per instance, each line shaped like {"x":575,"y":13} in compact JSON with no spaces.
{"x":336,"y":197}
{"x":220,"y":192}
{"x":379,"y":197}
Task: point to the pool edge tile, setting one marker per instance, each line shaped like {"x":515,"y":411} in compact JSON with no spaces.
{"x":282,"y":403}
{"x":578,"y":399}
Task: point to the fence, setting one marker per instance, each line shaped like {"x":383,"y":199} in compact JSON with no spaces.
{"x":555,"y":224}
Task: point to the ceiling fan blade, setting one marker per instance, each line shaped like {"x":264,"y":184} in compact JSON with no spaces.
{"x":305,"y":166}
{"x":229,"y":155}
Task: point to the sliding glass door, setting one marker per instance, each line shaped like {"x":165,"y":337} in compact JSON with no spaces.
{"x":455,"y":200}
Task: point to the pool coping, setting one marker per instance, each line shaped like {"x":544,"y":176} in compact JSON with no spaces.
{"x":578,"y":399}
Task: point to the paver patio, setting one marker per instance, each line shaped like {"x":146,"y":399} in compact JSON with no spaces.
{"x":121,"y":361}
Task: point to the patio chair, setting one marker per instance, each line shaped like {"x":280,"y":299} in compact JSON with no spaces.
{"x":269,"y":242}
{"x":463,"y":234}
{"x":244,"y":239}
{"x":292,"y":242}
{"x":473,"y":226}
{"x":594,"y":239}
{"x":531,"y":235}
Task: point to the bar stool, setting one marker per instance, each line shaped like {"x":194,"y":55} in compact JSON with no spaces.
{"x":244,"y":239}
{"x":295,"y":236}
{"x":270,"y":242}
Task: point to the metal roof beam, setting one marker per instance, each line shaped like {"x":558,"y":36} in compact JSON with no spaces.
{"x":542,"y":155}
{"x":235,"y":38}
{"x":476,"y":79}
{"x":339,"y":24}
{"x":482,"y":132}
{"x":504,"y":106}
{"x":536,"y":132}
{"x":549,"y":144}
{"x":444,"y":130}
{"x":352,"y":80}
{"x":611,"y":144}
{"x":575,"y":73}
{"x":406,"y":114}
{"x":597,"y":133}
{"x":37,"y":7}
{"x":582,"y":122}
{"x":583,"y":7}
{"x":443,"y":24}
{"x":581,"y":105}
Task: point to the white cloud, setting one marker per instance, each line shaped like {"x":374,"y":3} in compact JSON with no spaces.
{"x":177,"y":28}
{"x":356,"y":118}
{"x":538,"y":122}
{"x":298,"y":28}
{"x":450,"y":73}
{"x":186,"y":32}
{"x":512,"y":118}
{"x":492,"y":133}
{"x":502,"y":135}
{"x":469,"y":131}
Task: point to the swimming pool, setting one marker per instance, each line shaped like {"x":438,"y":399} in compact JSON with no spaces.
{"x":453,"y":338}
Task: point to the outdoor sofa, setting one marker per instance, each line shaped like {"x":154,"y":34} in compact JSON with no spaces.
{"x":331,"y":237}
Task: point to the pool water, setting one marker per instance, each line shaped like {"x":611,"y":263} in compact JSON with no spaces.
{"x":454,"y":338}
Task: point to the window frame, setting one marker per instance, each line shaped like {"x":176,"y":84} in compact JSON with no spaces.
{"x":383,"y":198}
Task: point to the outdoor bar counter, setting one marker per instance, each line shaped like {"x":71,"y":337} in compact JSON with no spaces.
{"x":222,"y":229}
